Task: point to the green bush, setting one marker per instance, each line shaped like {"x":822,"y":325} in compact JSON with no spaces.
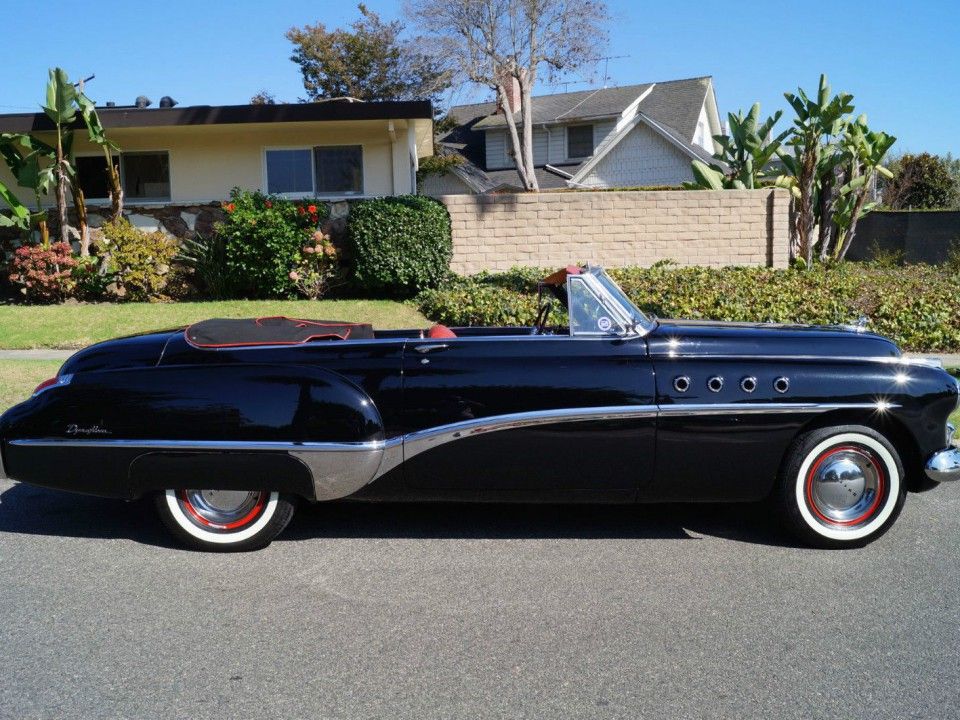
{"x":399,"y":245}
{"x":206,"y":259}
{"x":137,"y":262}
{"x":262,"y":237}
{"x":918,"y":306}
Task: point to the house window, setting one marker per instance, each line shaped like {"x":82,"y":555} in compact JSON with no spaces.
{"x":332,"y":170}
{"x":146,"y":175}
{"x":290,"y":172}
{"x":579,"y":141}
{"x":339,"y":170}
{"x":92,"y":176}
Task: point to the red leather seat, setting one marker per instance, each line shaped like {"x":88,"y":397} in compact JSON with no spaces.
{"x":440,"y":331}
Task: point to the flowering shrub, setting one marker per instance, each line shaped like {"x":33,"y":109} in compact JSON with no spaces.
{"x":263,"y":237}
{"x":43,"y":274}
{"x":318,"y":269}
{"x":137,"y":262}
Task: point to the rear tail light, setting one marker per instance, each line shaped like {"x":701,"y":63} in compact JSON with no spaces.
{"x":53,"y":382}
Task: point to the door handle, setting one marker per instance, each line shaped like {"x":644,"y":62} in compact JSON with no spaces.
{"x":431,"y":347}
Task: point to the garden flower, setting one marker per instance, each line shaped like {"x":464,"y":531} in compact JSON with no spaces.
{"x":308,"y":250}
{"x":294,"y":275}
{"x":312,"y":209}
{"x":268,"y":204}
{"x":300,"y":209}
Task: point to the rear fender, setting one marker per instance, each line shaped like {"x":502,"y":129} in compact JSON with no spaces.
{"x":124,"y":432}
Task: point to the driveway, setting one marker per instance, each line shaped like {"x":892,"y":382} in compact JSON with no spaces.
{"x":386,"y":611}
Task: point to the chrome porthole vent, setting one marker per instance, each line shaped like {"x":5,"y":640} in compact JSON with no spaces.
{"x":781,"y":384}
{"x":681,"y":384}
{"x":715,"y":384}
{"x":748,"y":384}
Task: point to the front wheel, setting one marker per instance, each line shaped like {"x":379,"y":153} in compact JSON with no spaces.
{"x":224,"y":520}
{"x":841,"y":486}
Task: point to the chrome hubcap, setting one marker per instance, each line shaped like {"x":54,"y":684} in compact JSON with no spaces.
{"x":222,"y":507}
{"x":844,"y":486}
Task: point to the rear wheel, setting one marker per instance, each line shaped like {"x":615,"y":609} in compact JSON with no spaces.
{"x":841,"y":486}
{"x":224,"y":520}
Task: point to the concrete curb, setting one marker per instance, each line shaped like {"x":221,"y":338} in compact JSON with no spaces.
{"x":35,"y":354}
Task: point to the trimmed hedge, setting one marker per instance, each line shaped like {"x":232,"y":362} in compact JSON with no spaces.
{"x":399,"y":245}
{"x":918,"y":306}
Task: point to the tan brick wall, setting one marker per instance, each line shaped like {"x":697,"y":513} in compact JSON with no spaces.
{"x":713,"y":228}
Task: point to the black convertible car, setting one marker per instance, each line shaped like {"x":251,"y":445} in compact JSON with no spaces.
{"x":228,"y":423}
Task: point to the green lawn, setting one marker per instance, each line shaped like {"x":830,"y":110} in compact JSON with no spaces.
{"x":18,"y":378}
{"x":74,"y":326}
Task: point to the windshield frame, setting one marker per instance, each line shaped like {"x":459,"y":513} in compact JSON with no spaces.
{"x":616,"y":302}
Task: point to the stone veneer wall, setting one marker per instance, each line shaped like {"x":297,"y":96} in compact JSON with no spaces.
{"x":712,"y":228}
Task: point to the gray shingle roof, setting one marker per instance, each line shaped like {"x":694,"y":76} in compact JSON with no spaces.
{"x":675,"y":103}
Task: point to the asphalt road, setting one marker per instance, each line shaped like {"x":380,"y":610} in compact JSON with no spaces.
{"x":476,"y":612}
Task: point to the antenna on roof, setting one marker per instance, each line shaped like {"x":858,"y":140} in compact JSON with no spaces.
{"x":79,"y":84}
{"x":606,"y":64}
{"x":606,"y":77}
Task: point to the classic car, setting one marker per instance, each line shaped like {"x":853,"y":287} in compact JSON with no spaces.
{"x":230,"y":423}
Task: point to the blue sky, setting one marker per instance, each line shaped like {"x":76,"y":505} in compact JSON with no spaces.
{"x":899,"y":59}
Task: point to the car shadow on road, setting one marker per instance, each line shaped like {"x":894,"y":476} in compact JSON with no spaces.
{"x":739,"y":522}
{"x":30,"y":510}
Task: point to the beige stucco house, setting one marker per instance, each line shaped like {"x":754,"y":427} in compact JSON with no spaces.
{"x":190,"y":156}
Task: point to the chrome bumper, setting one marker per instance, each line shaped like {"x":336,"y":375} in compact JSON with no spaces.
{"x":944,"y":465}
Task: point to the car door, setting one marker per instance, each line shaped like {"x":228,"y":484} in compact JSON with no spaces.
{"x":549,"y":415}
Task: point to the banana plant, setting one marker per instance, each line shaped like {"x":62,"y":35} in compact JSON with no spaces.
{"x":817,"y":124}
{"x":98,"y":136}
{"x":743,"y":154}
{"x":31,"y":162}
{"x":865,"y":151}
{"x":19,"y":216}
{"x":61,"y":108}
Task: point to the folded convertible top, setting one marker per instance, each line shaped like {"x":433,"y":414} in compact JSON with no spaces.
{"x":221,"y":333}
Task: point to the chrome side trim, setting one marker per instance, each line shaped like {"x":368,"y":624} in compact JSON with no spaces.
{"x":280,"y":445}
{"x":683,"y":409}
{"x":944,"y":466}
{"x":886,"y":360}
{"x":341,"y":469}
{"x":423,"y":440}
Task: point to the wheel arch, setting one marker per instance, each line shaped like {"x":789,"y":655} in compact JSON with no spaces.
{"x":888,"y":425}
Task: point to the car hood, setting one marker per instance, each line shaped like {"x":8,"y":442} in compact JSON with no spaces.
{"x":692,"y":337}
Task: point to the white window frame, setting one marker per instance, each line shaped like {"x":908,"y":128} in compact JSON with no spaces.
{"x":566,"y":141}
{"x":313,"y":172}
{"x":290,"y":195}
{"x":128,"y":199}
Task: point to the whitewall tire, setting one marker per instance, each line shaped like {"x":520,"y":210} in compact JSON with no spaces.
{"x":224,"y":520}
{"x":841,"y":486}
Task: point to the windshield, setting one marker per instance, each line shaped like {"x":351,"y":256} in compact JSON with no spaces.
{"x":630,"y":310}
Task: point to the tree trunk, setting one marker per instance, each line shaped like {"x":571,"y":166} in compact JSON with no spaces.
{"x":61,"y":192}
{"x":824,"y":236}
{"x":116,"y":190}
{"x":854,"y":219}
{"x":527,"y":111}
{"x":80,"y":207}
{"x":508,"y":111}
